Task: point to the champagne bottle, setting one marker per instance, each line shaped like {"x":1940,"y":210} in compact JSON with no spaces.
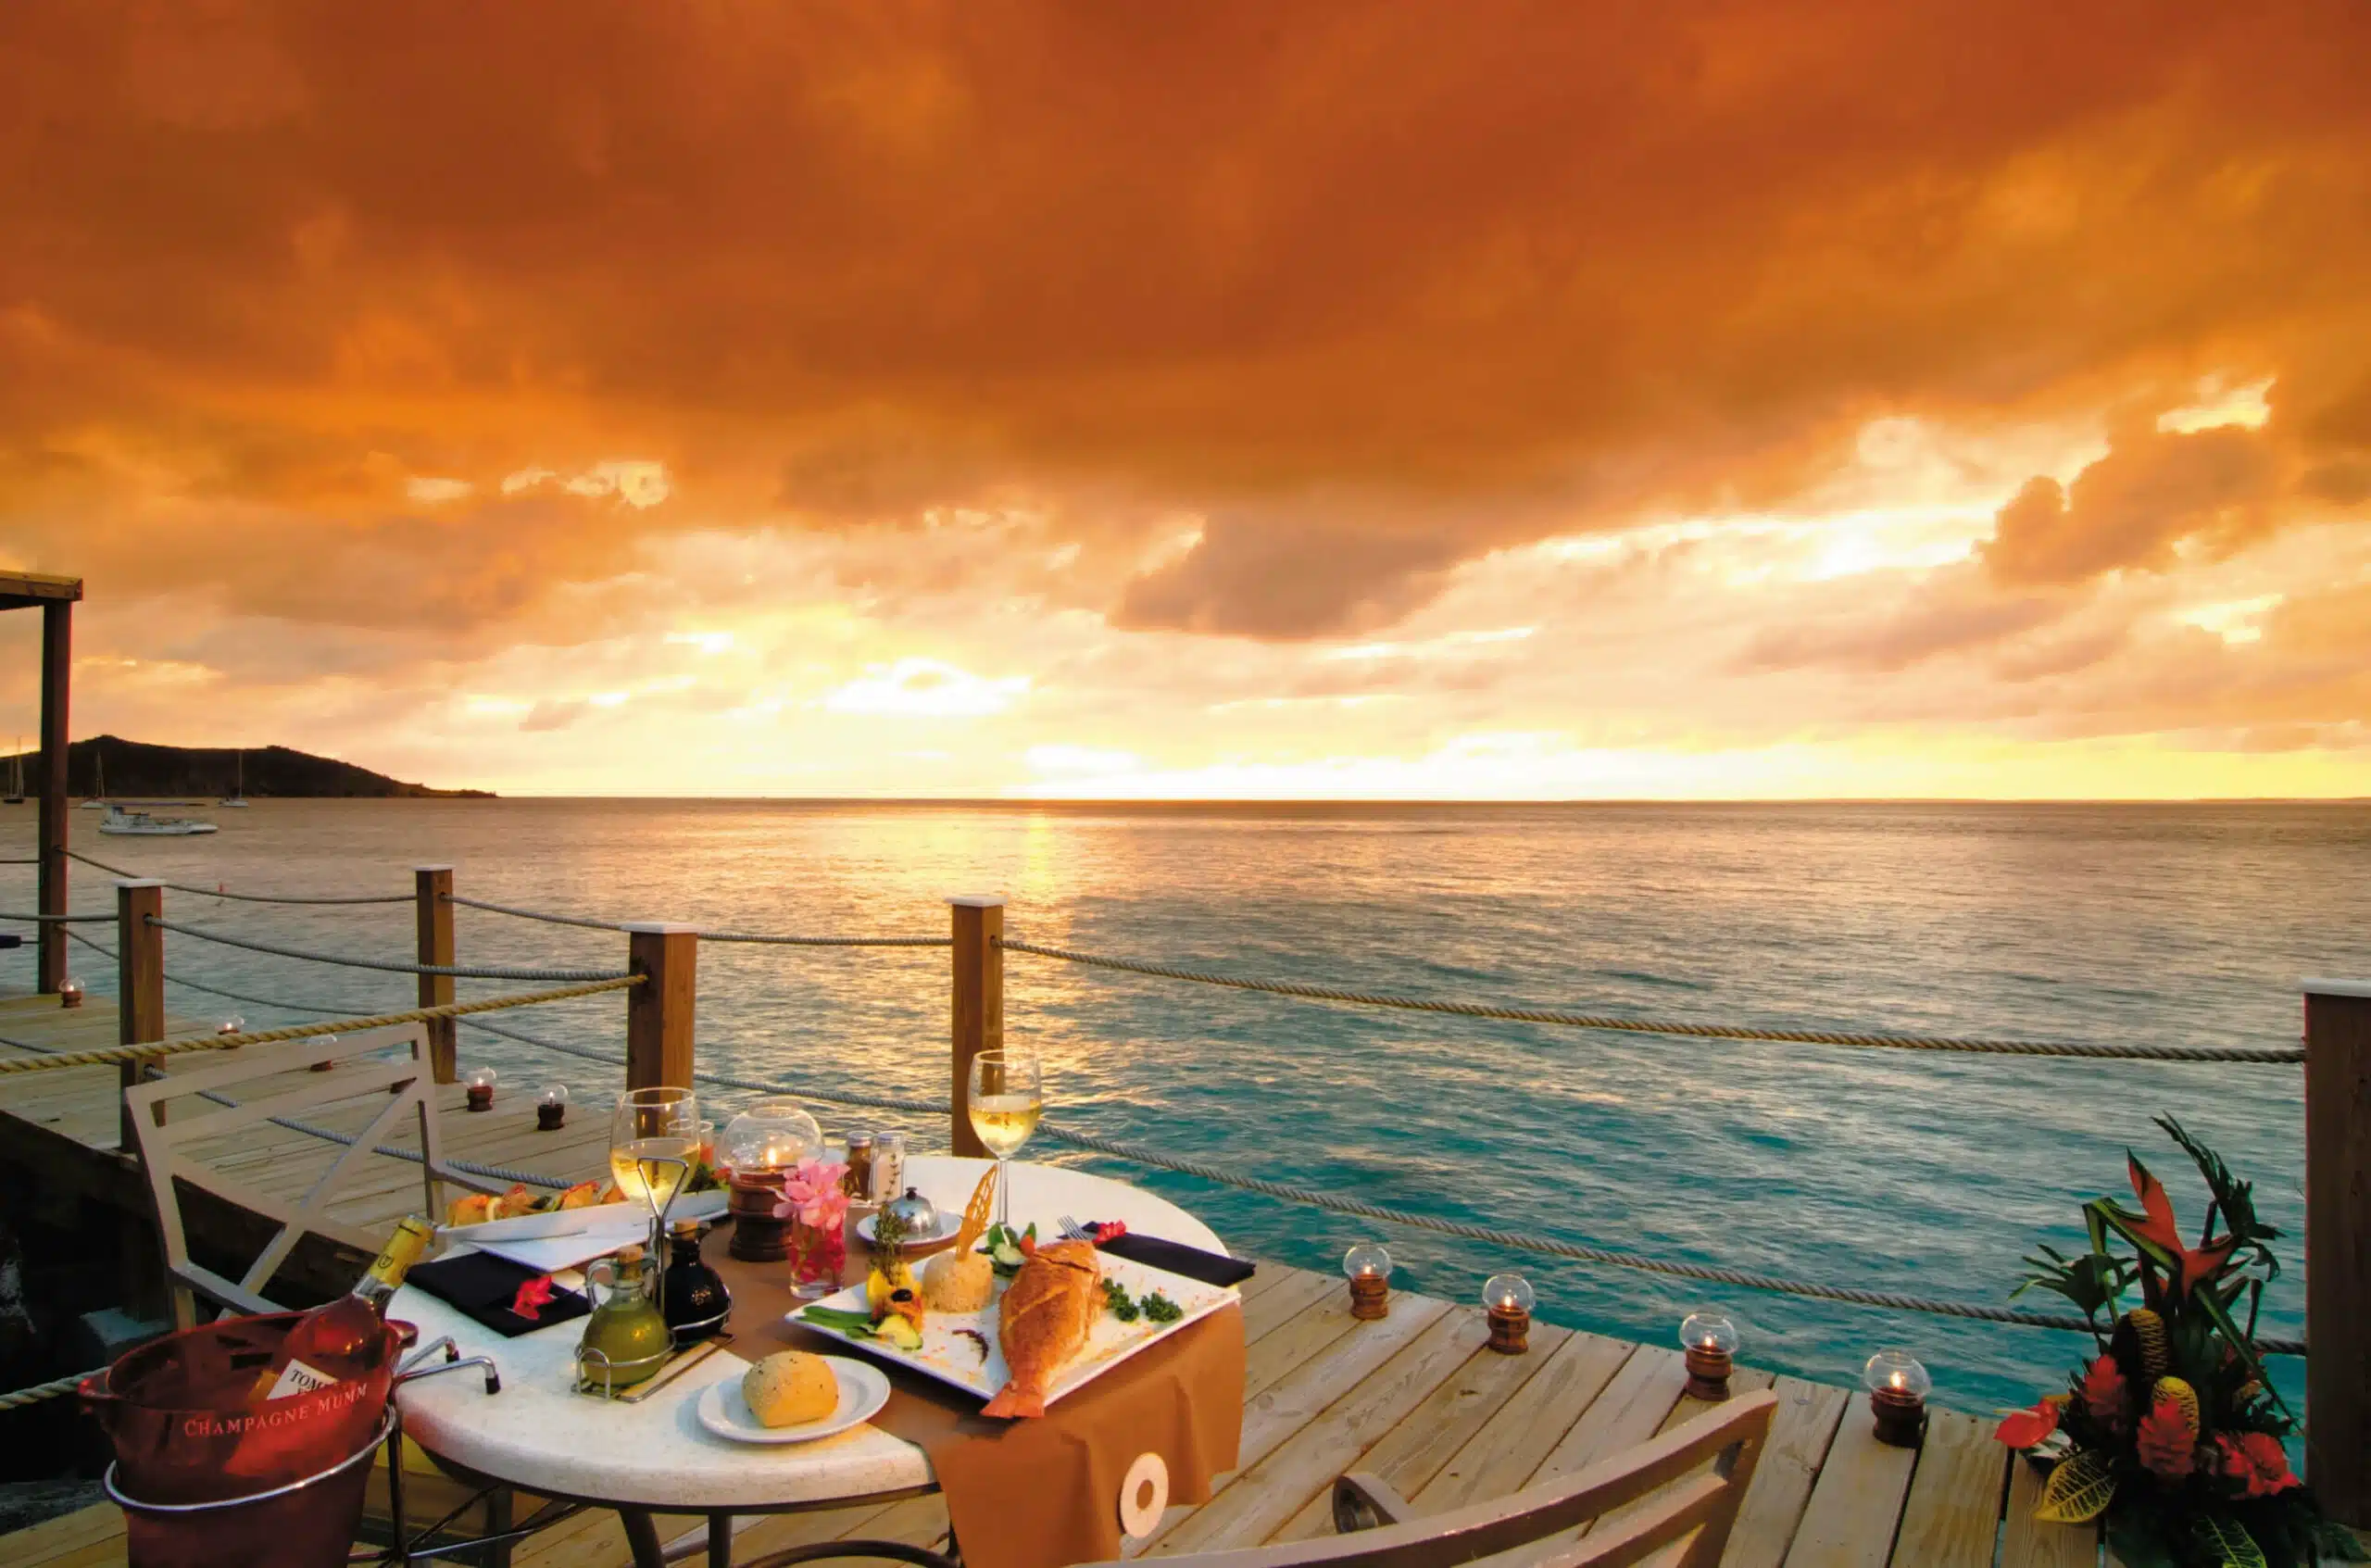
{"x":333,"y":1334}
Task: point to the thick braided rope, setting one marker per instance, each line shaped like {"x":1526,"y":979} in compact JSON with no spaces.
{"x":114,"y":1054}
{"x":1653,"y":1026}
{"x":391,"y":967}
{"x":247,"y":898}
{"x":1519,"y":1241}
{"x":59,"y":920}
{"x":49,"y":1391}
{"x":754,"y":1086}
{"x":714,"y":935}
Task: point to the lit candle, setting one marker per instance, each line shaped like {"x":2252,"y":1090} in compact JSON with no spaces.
{"x":1898,"y":1387}
{"x":1368,"y":1267}
{"x":235,"y":1024}
{"x":480,"y":1084}
{"x":1508,"y":1298}
{"x":69,"y":991}
{"x":551,"y":1108}
{"x":1711,"y":1342}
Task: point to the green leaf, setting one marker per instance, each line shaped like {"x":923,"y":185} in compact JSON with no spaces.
{"x":2225,"y":1543}
{"x":2077,"y":1491}
{"x":2337,"y":1542}
{"x":2240,"y":1344}
{"x":2138,"y":1546}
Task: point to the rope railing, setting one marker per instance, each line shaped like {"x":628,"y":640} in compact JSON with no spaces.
{"x":60,"y":919}
{"x":1668,"y":1026}
{"x":150,"y":1050}
{"x":763,"y":938}
{"x":219,"y":892}
{"x":390,"y":966}
{"x":752,"y":1085}
{"x":16,"y":1398}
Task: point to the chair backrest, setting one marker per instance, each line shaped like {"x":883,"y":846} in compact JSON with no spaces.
{"x":1701,"y":1467}
{"x":315,"y":1077}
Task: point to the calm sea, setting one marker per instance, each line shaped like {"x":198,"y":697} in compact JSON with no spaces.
{"x":1913,"y":1172}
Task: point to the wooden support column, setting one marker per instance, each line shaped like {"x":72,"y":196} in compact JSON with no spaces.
{"x":57,"y":664}
{"x":978,"y":1003}
{"x":432,"y":887}
{"x":139,"y":982}
{"x":2338,"y":1247}
{"x":660,"y":1011}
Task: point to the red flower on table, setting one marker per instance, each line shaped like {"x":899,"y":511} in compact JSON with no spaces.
{"x":2026,"y":1428}
{"x":2104,"y":1394}
{"x":2257,"y":1461}
{"x":2166,"y":1445}
{"x":533,"y":1297}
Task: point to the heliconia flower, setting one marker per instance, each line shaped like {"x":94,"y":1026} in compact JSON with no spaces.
{"x":2104,"y":1394}
{"x":533,"y":1297}
{"x":2026,"y":1428}
{"x":2165,"y":1445}
{"x":2159,"y":1228}
{"x":2257,"y":1461}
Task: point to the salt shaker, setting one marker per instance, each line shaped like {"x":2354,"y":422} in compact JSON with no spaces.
{"x":888,"y":1166}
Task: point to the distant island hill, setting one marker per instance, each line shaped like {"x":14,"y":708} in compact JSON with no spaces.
{"x":131,"y":771}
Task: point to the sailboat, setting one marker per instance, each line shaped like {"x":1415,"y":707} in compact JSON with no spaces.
{"x":15,"y":795}
{"x":238,"y":796}
{"x":98,"y":801}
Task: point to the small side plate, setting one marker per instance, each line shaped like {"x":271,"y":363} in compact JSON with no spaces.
{"x":864,"y":1388}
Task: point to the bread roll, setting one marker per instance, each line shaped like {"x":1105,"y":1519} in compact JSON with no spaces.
{"x":791,"y":1388}
{"x":958,"y":1282}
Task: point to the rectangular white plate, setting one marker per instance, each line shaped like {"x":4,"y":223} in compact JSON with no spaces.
{"x":953,"y":1359}
{"x":569,"y":1236}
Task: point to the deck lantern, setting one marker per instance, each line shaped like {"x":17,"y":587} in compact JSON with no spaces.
{"x":551,"y":1108}
{"x":1898,"y":1387}
{"x":1509,"y":1299}
{"x":235,"y":1024}
{"x":480,"y":1084}
{"x":69,"y":991}
{"x":1710,"y":1341}
{"x":1368,"y":1267}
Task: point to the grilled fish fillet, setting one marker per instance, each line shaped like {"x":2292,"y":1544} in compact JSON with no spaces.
{"x":1043,"y":1322}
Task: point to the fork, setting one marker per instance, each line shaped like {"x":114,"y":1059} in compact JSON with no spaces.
{"x":1073,"y":1231}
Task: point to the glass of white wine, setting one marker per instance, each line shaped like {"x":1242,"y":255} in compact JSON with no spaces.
{"x":652,"y":1138}
{"x":1008,"y":1096}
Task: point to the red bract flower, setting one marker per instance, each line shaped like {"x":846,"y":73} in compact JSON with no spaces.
{"x":533,"y":1297}
{"x":2165,"y":1443}
{"x":2104,"y":1394}
{"x":2026,"y":1428}
{"x":2257,"y":1461}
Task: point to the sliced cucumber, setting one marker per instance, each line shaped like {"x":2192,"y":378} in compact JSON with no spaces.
{"x":900,"y":1332}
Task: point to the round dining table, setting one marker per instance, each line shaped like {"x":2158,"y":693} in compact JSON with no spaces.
{"x":653,"y":1456}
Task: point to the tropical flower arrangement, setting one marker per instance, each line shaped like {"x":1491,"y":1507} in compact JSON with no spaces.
{"x":817,"y":1206}
{"x":2172,"y":1434}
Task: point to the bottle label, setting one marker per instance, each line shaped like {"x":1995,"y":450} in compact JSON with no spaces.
{"x":403,"y":1249}
{"x":298,"y":1378}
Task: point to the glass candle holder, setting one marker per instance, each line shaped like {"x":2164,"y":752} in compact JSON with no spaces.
{"x":551,"y":1108}
{"x":1710,"y":1341}
{"x":69,"y":991}
{"x":1368,"y":1268}
{"x":1509,"y":1298}
{"x":1898,"y":1387}
{"x":235,"y":1024}
{"x":480,"y":1086}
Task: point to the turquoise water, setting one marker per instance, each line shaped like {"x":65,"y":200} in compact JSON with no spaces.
{"x":1910,"y":1171}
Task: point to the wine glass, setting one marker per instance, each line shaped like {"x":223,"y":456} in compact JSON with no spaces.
{"x":652,"y":1139}
{"x":1008,"y":1096}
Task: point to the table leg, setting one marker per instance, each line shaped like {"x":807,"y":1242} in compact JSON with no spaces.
{"x":719,"y":1540}
{"x":642,"y":1538}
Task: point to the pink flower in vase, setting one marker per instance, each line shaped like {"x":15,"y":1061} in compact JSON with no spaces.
{"x":812,"y":1196}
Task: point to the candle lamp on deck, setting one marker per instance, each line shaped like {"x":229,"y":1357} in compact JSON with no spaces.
{"x":1898,"y":1387}
{"x":69,"y":991}
{"x":480,"y":1084}
{"x":1509,"y":1299}
{"x":1368,"y":1267}
{"x":235,"y":1024}
{"x":1711,"y":1342}
{"x":551,"y":1108}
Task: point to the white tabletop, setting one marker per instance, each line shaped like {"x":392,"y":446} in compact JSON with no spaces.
{"x":539,"y":1435}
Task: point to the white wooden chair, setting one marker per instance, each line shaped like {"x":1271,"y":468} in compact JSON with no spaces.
{"x":224,"y":1098}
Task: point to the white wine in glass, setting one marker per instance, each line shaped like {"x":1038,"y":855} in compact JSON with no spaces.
{"x":652,"y":1138}
{"x":1006,"y":1100}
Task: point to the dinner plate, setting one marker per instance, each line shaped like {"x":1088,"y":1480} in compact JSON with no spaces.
{"x":947,"y":1226}
{"x":864,"y":1388}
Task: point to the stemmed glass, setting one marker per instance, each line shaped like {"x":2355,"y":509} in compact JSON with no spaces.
{"x":1008,"y":1096}
{"x":652,"y":1138}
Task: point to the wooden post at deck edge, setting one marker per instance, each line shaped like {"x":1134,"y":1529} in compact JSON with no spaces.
{"x":56,"y":667}
{"x":432,"y":887}
{"x":660,"y":1011}
{"x":139,"y":985}
{"x":978,"y":1003}
{"x":2338,"y":1247}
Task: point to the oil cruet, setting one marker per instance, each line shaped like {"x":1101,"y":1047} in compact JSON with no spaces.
{"x":625,"y":1337}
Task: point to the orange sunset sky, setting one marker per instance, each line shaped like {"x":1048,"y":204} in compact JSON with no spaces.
{"x":1473,"y":399}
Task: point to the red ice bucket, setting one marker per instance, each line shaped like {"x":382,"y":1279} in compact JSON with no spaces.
{"x":188,"y":1439}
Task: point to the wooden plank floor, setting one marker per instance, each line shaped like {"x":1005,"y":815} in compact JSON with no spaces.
{"x":1415,"y":1396}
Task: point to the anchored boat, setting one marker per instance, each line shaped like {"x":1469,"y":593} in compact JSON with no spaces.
{"x":140,"y":824}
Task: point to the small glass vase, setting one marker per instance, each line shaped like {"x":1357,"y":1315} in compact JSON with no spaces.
{"x":818,"y":1254}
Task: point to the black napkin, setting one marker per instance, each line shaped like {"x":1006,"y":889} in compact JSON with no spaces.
{"x":482,"y":1286}
{"x":1211,"y":1268}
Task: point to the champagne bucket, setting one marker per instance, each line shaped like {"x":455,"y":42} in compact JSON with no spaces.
{"x":181,"y":1413}
{"x":307,"y":1522}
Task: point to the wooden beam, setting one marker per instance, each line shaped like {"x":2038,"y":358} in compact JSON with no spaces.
{"x":140,"y":982}
{"x":25,"y":590}
{"x":978,"y":1011}
{"x":2337,"y":1239}
{"x":432,"y":887}
{"x":660,"y":1011}
{"x":56,"y":675}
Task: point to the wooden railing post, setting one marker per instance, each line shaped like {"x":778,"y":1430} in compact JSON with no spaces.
{"x":56,"y":666}
{"x":2338,"y":1247}
{"x":978,"y":1003}
{"x":432,"y":887}
{"x":139,"y":985}
{"x":660,"y":1011}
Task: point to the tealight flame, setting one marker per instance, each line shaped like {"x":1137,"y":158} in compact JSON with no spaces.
{"x":1896,"y":1380}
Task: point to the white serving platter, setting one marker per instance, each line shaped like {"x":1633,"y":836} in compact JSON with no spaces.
{"x":863,"y":1390}
{"x":565,"y":1238}
{"x":951,"y":1356}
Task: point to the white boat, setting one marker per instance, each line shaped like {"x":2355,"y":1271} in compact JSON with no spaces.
{"x":140,"y":824}
{"x":98,"y":801}
{"x":238,"y":796}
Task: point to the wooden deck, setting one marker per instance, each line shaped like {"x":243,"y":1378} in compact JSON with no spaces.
{"x":1414,"y":1396}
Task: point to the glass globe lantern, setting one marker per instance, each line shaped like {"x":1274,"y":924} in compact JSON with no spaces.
{"x":1508,"y":1293}
{"x":480,"y":1083}
{"x":1366,"y":1257}
{"x":771,"y":1135}
{"x":1710,"y":1341}
{"x":1898,"y":1387}
{"x":551,"y":1108}
{"x":1368,"y":1268}
{"x":1897,"y":1372}
{"x":69,"y":991}
{"x":235,"y":1024}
